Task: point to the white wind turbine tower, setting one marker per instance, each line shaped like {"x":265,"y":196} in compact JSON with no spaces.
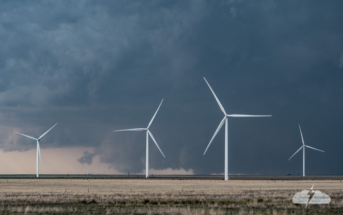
{"x":38,"y":147}
{"x":303,"y":147}
{"x":148,"y":133}
{"x":225,"y":119}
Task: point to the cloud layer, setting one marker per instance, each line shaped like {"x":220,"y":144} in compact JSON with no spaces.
{"x":98,"y":66}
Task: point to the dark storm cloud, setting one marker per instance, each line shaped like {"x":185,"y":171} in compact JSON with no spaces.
{"x":87,"y":158}
{"x":98,"y":66}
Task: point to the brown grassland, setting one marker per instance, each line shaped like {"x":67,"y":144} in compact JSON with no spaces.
{"x":153,"y":196}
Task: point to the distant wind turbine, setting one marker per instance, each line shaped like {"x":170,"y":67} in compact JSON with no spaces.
{"x":225,"y":119}
{"x":303,"y":147}
{"x":38,"y":146}
{"x":148,"y":133}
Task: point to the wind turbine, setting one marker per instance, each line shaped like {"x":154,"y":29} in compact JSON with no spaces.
{"x":225,"y":119}
{"x":303,"y":147}
{"x":148,"y":133}
{"x":38,"y":147}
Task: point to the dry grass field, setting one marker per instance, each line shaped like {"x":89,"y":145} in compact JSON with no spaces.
{"x":141,"y":196}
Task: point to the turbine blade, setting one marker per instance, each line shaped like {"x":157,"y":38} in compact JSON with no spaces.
{"x":296,"y":152}
{"x":302,"y":138}
{"x":26,"y":136}
{"x":155,"y":114}
{"x":132,"y":129}
{"x":220,"y":105}
{"x":314,"y":148}
{"x":46,"y":132}
{"x":152,"y":137}
{"x":215,"y":133}
{"x":244,"y":115}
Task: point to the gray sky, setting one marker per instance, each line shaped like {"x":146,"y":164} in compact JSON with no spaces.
{"x":98,"y":66}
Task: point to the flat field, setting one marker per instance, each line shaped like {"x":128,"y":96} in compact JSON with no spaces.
{"x":154,"y":196}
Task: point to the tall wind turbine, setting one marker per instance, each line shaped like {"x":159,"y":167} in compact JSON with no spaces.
{"x":225,"y":119}
{"x":38,"y":147}
{"x":303,"y":147}
{"x":148,"y":133}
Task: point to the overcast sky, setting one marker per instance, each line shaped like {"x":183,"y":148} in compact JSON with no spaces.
{"x":94,"y":67}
